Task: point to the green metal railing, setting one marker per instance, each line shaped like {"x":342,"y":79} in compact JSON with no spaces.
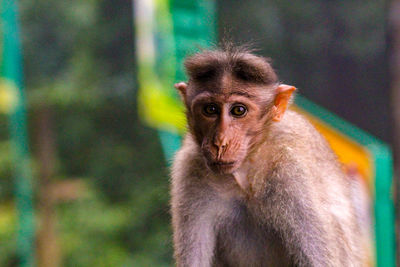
{"x":383,"y":196}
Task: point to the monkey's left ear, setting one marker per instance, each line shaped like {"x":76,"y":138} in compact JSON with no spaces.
{"x":282,"y":98}
{"x":181,"y":87}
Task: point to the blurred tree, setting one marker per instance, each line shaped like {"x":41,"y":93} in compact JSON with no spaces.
{"x":48,"y":251}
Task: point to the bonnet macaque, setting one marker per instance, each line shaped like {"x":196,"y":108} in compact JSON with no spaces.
{"x":254,"y":184}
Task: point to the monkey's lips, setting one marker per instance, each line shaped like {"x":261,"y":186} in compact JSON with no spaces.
{"x":222,"y":166}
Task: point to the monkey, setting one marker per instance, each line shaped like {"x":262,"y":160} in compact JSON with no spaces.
{"x":254,"y":183}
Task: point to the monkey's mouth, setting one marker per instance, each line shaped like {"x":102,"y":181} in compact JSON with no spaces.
{"x":224,"y":163}
{"x":222,"y":166}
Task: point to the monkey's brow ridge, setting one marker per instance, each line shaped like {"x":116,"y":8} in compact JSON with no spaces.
{"x":241,"y":94}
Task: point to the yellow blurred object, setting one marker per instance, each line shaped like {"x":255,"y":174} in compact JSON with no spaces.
{"x":8,"y":96}
{"x":159,"y":109}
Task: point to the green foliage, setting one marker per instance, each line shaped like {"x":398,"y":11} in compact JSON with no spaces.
{"x":79,"y":66}
{"x":105,"y":234}
{"x":7,"y":233}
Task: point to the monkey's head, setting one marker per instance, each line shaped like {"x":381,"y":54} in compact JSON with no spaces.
{"x":230,"y":98}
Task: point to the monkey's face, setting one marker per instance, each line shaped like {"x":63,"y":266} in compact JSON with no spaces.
{"x":225,"y":124}
{"x":229,"y":99}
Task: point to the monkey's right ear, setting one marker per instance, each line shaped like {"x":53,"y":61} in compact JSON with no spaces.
{"x":181,"y":87}
{"x":282,"y":99}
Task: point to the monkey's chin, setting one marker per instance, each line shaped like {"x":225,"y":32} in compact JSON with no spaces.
{"x":222,"y":167}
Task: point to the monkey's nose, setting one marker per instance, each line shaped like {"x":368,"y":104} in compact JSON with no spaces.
{"x":220,"y":144}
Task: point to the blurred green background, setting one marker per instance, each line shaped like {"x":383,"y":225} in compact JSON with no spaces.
{"x":100,"y":179}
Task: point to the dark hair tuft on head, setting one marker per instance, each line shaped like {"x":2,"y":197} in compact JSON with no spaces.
{"x":240,"y":61}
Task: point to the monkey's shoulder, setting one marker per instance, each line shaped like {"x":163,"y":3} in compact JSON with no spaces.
{"x":296,"y":125}
{"x":300,"y":151}
{"x":298,"y":135}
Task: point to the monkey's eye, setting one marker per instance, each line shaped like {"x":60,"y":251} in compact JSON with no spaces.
{"x":238,"y":110}
{"x":210,"y":109}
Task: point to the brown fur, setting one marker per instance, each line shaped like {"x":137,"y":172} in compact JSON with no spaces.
{"x":284,"y":200}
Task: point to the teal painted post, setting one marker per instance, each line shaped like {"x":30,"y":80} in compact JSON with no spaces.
{"x":170,"y":143}
{"x":12,"y":72}
{"x":384,"y":207}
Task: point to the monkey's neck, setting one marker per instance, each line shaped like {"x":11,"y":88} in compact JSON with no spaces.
{"x":242,"y":179}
